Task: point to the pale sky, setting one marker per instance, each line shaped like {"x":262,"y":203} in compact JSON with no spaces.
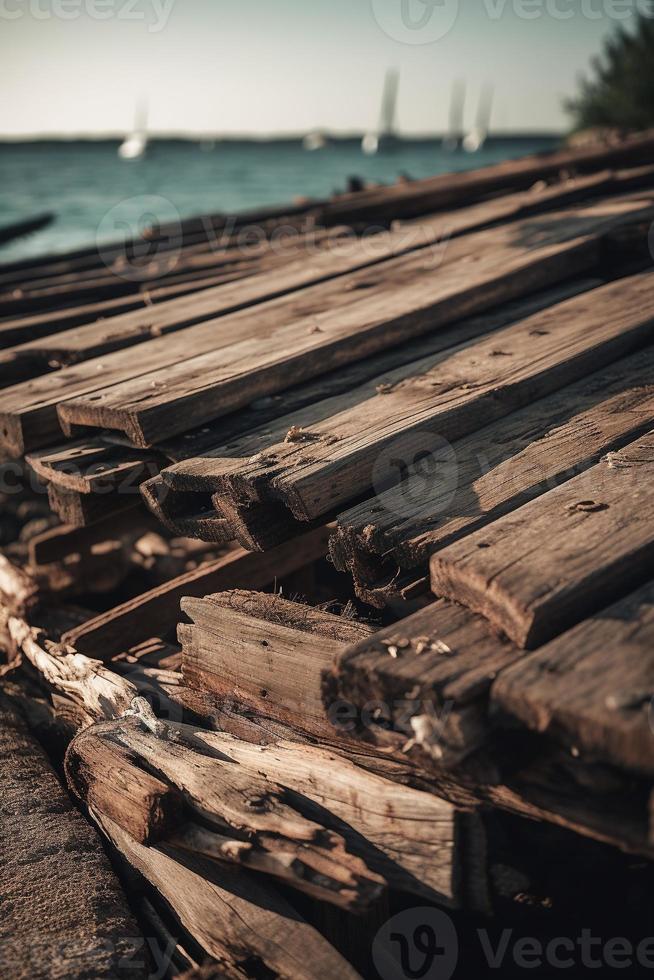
{"x":266,"y":66}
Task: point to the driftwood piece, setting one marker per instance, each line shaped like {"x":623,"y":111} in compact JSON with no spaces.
{"x":64,"y":915}
{"x":406,"y":835}
{"x":230,"y":913}
{"x":240,"y":816}
{"x":106,"y":776}
{"x":155,"y":613}
{"x":491,"y":472}
{"x":264,"y":652}
{"x":540,"y":570}
{"x":95,"y":692}
{"x":592,"y":688}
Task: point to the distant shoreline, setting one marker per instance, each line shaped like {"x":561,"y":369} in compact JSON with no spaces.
{"x":495,"y":138}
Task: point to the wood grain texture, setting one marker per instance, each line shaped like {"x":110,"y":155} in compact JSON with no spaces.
{"x":56,"y":340}
{"x":106,"y":776}
{"x":336,"y":451}
{"x":506,"y":263}
{"x":264,"y":651}
{"x":230,"y":913}
{"x":406,"y":835}
{"x":592,"y":687}
{"x":540,"y":570}
{"x":491,"y":472}
{"x":236,"y":815}
{"x":420,"y":686}
{"x":183,"y":498}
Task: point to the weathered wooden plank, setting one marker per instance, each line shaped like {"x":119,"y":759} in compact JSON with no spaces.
{"x":592,"y":688}
{"x":105,"y":776}
{"x":47,"y":342}
{"x":191,"y":390}
{"x":420,"y":686}
{"x":155,"y":613}
{"x":95,"y":466}
{"x":549,"y":785}
{"x":186,"y":514}
{"x":538,"y":571}
{"x":336,"y":451}
{"x":84,"y":509}
{"x":406,"y":835}
{"x":63,"y":911}
{"x":446,"y":190}
{"x":231,"y":913}
{"x":264,"y":651}
{"x":244,"y":818}
{"x":491,"y":472}
{"x":178,"y":499}
{"x":63,"y":541}
{"x":37,"y":355}
{"x":28,"y":414}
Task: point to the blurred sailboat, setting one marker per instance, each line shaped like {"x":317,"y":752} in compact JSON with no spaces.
{"x":314,"y":141}
{"x":475,"y":139}
{"x":385,"y":135}
{"x":454,"y":138}
{"x":135,"y":143}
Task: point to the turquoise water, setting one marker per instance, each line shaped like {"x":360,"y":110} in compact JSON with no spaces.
{"x":83,"y":181}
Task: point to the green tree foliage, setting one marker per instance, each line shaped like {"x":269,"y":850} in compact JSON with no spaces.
{"x":619,"y":92}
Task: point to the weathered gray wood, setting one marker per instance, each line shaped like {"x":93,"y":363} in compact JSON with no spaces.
{"x":155,"y":613}
{"x":491,"y":472}
{"x":264,"y":651}
{"x":230,"y":913}
{"x":64,"y":915}
{"x":561,"y":557}
{"x":335,"y":451}
{"x":592,"y":688}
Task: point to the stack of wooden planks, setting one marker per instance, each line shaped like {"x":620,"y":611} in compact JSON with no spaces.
{"x":327,"y":562}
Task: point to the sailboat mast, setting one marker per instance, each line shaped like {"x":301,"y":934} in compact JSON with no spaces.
{"x":389,"y":103}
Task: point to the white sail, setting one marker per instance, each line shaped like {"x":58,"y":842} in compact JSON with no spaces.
{"x":135,"y":143}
